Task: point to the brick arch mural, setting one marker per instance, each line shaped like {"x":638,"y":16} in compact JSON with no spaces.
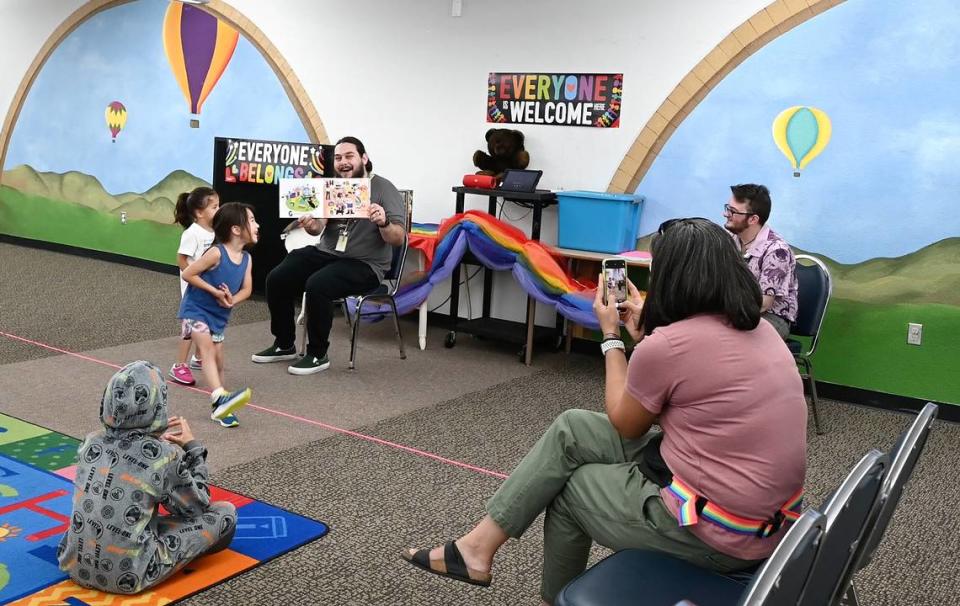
{"x":220,"y":9}
{"x":754,"y":33}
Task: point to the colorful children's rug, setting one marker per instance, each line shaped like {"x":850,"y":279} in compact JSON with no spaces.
{"x":36,"y":474}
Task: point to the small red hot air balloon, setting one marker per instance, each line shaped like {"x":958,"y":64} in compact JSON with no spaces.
{"x":116,"y":116}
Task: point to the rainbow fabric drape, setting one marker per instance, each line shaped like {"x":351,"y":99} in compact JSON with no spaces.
{"x":503,"y":247}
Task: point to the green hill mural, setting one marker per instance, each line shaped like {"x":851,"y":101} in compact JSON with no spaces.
{"x":928,"y":275}
{"x":74,"y":209}
{"x":864,"y":345}
{"x":155,"y":204}
{"x":863,"y":339}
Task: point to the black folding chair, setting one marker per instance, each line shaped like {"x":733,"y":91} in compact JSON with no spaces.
{"x":850,"y":512}
{"x":781,"y":578}
{"x":814,"y":290}
{"x":638,"y":576}
{"x":903,"y":460}
{"x":384,"y":294}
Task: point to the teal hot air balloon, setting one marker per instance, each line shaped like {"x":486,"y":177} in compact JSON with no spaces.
{"x":801,"y":133}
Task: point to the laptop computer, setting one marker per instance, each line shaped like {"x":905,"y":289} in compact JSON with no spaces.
{"x":520,"y":180}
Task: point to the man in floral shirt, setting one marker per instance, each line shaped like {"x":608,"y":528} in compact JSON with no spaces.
{"x":767,"y":254}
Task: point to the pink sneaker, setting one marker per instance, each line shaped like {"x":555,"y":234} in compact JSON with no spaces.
{"x":181,"y":374}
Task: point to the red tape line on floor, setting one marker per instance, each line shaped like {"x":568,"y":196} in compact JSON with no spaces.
{"x":279,"y":413}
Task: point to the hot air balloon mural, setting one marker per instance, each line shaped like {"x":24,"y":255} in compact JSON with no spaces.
{"x":198,"y":46}
{"x":801,"y":133}
{"x":116,"y":117}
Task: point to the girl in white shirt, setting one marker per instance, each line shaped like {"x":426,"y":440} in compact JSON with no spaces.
{"x":194,"y":211}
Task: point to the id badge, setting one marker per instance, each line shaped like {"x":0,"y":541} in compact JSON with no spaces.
{"x":342,"y":242}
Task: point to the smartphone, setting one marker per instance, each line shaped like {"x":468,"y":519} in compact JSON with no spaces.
{"x":614,"y":280}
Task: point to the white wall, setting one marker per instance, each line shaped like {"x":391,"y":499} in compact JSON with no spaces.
{"x":410,"y":80}
{"x":25,"y":26}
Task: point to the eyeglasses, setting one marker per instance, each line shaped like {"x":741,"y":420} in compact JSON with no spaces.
{"x":727,"y":209}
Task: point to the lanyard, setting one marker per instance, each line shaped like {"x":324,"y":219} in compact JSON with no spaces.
{"x":346,"y":226}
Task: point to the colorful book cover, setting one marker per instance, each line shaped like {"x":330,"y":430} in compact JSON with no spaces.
{"x":325,"y":198}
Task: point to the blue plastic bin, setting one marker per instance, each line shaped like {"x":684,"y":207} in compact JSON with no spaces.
{"x":598,"y":221}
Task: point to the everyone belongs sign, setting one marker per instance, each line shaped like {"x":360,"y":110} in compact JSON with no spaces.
{"x":564,"y":99}
{"x":266,"y":162}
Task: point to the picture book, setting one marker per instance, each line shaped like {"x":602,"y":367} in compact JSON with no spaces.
{"x":325,"y":198}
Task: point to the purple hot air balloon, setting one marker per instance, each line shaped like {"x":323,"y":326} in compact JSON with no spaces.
{"x":199,"y":46}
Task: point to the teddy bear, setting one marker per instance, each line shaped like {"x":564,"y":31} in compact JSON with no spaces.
{"x":506,"y":151}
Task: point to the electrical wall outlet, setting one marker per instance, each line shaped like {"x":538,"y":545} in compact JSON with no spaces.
{"x":456,"y":8}
{"x":914,"y":334}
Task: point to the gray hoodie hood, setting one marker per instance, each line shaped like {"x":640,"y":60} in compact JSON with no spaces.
{"x":117,"y":541}
{"x":135,"y":399}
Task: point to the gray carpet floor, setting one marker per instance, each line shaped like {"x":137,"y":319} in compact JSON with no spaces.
{"x":81,"y":304}
{"x":379,"y":500}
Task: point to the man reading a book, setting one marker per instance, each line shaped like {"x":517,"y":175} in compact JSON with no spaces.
{"x":351,"y":258}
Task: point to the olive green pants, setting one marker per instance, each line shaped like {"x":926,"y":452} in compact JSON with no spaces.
{"x":585,"y":476}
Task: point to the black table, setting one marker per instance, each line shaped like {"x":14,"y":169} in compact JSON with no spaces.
{"x":495,"y":327}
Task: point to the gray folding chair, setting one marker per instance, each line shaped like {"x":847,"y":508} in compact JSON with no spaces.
{"x":814,"y":291}
{"x":903,"y":459}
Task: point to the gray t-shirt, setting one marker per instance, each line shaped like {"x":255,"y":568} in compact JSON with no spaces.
{"x":364,"y":242}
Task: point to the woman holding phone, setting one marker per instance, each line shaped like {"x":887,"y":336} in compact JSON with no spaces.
{"x":718,"y":486}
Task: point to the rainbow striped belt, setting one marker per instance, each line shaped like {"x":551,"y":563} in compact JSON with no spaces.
{"x":692,"y":506}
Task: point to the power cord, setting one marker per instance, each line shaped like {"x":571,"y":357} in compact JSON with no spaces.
{"x":462,"y":282}
{"x":503,"y":214}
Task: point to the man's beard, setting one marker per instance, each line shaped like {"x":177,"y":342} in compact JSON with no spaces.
{"x":735,"y":228}
{"x":357,"y":174}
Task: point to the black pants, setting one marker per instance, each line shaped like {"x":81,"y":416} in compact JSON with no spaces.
{"x":325,"y":278}
{"x":780,"y":324}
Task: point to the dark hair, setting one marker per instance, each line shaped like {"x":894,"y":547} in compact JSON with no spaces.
{"x":189,"y":203}
{"x":230,"y":215}
{"x":756,"y":197}
{"x":360,"y":149}
{"x":697,"y":269}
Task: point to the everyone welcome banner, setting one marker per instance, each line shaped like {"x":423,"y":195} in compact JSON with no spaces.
{"x":564,"y":99}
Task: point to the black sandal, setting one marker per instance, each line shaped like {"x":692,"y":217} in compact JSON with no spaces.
{"x":451,"y":566}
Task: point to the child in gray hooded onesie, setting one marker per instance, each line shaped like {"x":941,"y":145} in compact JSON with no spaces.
{"x":118,"y":542}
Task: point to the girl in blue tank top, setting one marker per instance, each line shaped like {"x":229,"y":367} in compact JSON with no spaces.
{"x":216,"y":282}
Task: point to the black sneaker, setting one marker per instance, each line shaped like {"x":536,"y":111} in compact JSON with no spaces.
{"x":309,"y":365}
{"x":274,"y":354}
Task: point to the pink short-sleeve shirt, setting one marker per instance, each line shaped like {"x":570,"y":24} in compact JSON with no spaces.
{"x":734,"y":418}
